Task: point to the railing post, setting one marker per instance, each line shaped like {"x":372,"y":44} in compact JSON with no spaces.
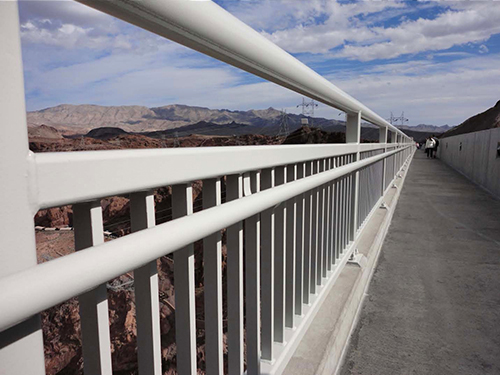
{"x":394,"y":141}
{"x":383,"y":140}
{"x":21,"y":347}
{"x":353,"y":135}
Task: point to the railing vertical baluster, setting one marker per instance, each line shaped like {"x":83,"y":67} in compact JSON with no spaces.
{"x":94,"y":314}
{"x":307,"y":238}
{"x":346,"y":208}
{"x":234,"y":191}
{"x":252,"y":284}
{"x":332,"y":218}
{"x":354,"y":201}
{"x":267,"y":270}
{"x":321,"y":226}
{"x":348,"y":203}
{"x":342,"y":209}
{"x":314,"y":232}
{"x":212,"y":265}
{"x":185,"y":313}
{"x":21,"y":346}
{"x":291,"y":220}
{"x":337,"y":214}
{"x":142,"y":216}
{"x":299,"y":246}
{"x":279,"y":260}
{"x":346,"y":214}
{"x":328,"y":258}
{"x":394,"y":139}
{"x":324,"y":237}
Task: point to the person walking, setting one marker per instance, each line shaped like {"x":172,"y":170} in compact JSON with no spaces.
{"x":429,"y":147}
{"x":436,"y":145}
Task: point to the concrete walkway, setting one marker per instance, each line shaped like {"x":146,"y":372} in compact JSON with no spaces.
{"x":433,"y":306}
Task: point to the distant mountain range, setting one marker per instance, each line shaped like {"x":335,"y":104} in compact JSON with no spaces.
{"x":426,"y":128}
{"x":80,"y":119}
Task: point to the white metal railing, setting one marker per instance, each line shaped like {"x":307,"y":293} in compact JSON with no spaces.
{"x":292,"y":213}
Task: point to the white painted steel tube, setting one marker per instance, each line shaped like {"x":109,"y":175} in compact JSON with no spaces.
{"x":60,"y":178}
{"x":206,"y":27}
{"x":79,"y":272}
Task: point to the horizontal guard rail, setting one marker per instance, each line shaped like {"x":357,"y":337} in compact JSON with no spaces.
{"x":71,"y":275}
{"x":206,"y":27}
{"x":84,"y":176}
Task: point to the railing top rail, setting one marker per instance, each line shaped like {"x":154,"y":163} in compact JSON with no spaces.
{"x":76,"y":273}
{"x":206,"y":27}
{"x":72,"y":177}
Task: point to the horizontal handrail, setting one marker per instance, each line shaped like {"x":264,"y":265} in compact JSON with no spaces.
{"x":206,"y":27}
{"x":70,"y":177}
{"x":76,"y":273}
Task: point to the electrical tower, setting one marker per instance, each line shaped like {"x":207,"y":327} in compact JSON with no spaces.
{"x":176,"y":140}
{"x":308,"y":110}
{"x":394,"y":120}
{"x":284,"y":128}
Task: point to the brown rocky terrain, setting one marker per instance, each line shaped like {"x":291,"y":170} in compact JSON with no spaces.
{"x":488,"y":119}
{"x":61,"y":324}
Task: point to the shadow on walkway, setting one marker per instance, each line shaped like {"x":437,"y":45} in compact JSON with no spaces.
{"x":433,"y":306}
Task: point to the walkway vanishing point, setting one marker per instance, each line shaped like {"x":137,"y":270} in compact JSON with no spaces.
{"x":433,"y":306}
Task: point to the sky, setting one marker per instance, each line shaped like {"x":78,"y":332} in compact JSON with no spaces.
{"x":436,"y":61}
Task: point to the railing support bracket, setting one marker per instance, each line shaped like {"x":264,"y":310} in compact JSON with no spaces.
{"x":357,"y":259}
{"x":384,"y":205}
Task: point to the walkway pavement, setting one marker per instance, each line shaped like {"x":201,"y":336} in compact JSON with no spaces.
{"x":433,"y":306}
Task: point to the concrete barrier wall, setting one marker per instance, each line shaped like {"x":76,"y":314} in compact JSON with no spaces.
{"x":475,"y":156}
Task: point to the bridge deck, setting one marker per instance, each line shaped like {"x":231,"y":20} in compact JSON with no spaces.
{"x":433,"y":306}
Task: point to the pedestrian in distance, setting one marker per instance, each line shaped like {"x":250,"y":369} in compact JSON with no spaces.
{"x":430,"y":144}
{"x":436,"y":145}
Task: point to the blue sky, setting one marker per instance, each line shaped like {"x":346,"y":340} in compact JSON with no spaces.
{"x":438,"y":61}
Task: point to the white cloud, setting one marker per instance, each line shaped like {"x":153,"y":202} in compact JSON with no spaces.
{"x":447,"y":30}
{"x":428,"y":92}
{"x":483,"y":49}
{"x":70,"y":36}
{"x":351,"y":26}
{"x":341,"y":24}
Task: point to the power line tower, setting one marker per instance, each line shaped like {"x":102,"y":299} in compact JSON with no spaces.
{"x":308,"y":110}
{"x":394,"y":120}
{"x":176,"y":140}
{"x":284,"y":128}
